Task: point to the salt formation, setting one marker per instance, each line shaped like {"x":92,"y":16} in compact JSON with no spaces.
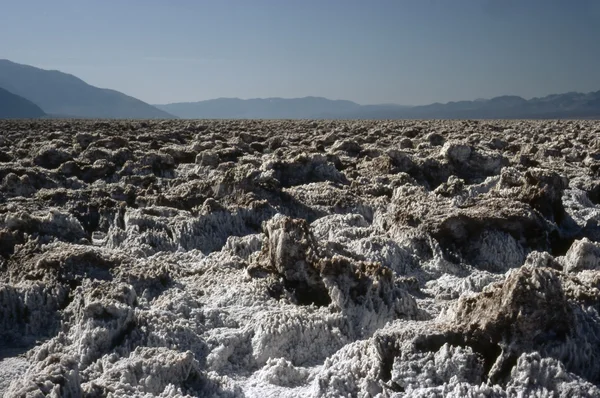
{"x":300,"y":258}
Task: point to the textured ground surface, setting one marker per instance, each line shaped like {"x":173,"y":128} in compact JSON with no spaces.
{"x":298,"y":259}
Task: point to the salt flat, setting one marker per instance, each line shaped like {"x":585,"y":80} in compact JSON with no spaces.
{"x":300,"y":258}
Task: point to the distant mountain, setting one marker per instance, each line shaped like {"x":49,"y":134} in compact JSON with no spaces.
{"x":13,"y":106}
{"x":261,"y":108}
{"x":59,"y":93}
{"x":568,"y":105}
{"x":62,"y":95}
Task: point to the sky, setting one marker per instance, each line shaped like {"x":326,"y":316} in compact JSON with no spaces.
{"x":408,"y":52}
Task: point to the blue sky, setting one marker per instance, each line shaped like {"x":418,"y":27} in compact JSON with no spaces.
{"x":379,"y":51}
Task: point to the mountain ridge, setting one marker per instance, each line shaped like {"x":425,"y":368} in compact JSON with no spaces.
{"x":567,"y":105}
{"x":60,"y":93}
{"x":309,"y":107}
{"x":13,"y":106}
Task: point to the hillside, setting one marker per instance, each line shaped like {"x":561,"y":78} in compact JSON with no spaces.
{"x":59,"y":93}
{"x":13,"y":106}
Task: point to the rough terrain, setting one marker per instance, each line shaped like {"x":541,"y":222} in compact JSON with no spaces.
{"x":300,"y":258}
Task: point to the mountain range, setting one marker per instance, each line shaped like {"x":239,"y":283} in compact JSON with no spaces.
{"x":13,"y":106}
{"x":63,"y":95}
{"x":28,"y":91}
{"x":568,"y":105}
{"x":556,"y":106}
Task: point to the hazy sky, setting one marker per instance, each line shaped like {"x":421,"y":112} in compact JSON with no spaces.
{"x":378,"y":51}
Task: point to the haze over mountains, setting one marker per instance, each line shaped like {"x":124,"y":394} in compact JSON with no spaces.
{"x":30,"y":92}
{"x":271,"y":108}
{"x":264,"y":108}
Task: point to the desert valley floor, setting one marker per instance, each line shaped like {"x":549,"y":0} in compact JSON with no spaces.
{"x":299,"y":258}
